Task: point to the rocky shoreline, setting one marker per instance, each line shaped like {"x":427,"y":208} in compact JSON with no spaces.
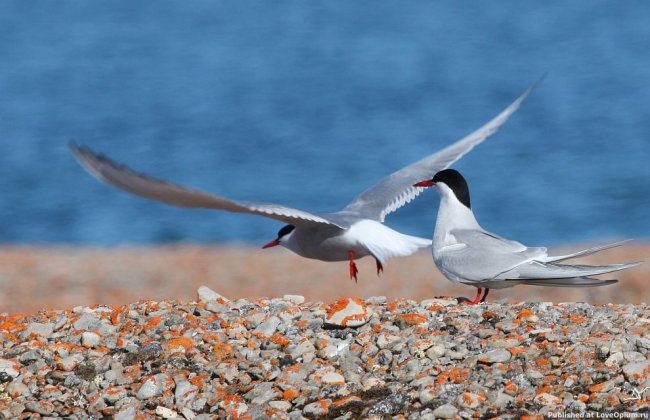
{"x":287,"y":358}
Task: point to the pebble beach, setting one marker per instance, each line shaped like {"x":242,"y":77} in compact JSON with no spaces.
{"x":288,"y":358}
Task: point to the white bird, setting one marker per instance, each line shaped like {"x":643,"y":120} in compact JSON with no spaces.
{"x":346,"y":235}
{"x":466,"y":253}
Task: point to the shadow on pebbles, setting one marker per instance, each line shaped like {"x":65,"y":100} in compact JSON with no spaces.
{"x":287,"y":358}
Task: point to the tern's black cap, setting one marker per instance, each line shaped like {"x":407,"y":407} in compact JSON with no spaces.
{"x":454,"y":180}
{"x":285,"y":231}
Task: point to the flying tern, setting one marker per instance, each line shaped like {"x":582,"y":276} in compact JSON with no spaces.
{"x":466,"y":253}
{"x":345,"y":235}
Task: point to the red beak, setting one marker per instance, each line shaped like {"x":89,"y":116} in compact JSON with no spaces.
{"x":273,"y":243}
{"x":425,"y":184}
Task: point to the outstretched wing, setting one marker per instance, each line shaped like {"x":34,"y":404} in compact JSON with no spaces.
{"x":397,"y":189}
{"x":125,"y":179}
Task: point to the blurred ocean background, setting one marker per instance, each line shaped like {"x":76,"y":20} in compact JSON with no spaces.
{"x":307,"y":104}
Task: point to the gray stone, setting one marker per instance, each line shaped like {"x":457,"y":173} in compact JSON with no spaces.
{"x":495,"y":356}
{"x":208,"y":295}
{"x":295,"y":299}
{"x":43,"y":330}
{"x":636,"y":373}
{"x":152,"y":387}
{"x":127,"y":414}
{"x":184,"y":393}
{"x":69,"y":363}
{"x":446,"y":411}
{"x":317,"y":409}
{"x":90,"y":339}
{"x":268,"y":327}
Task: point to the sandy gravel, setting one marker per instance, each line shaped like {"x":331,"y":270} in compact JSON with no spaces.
{"x":33,"y":278}
{"x":286,"y":358}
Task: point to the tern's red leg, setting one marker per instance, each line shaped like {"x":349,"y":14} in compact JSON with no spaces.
{"x":353,"y":267}
{"x":380,"y":268}
{"x":485,"y":295}
{"x":477,"y":299}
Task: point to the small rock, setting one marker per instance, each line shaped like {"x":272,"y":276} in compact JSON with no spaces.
{"x":127,"y":414}
{"x":349,"y":312}
{"x":17,"y":388}
{"x":376,"y":300}
{"x":427,"y":303}
{"x":470,"y":400}
{"x":495,"y":356}
{"x":166,"y":413}
{"x":184,"y":393}
{"x":446,"y":411}
{"x":280,"y":405}
{"x":207,"y":295}
{"x":70,"y":363}
{"x":188,"y":414}
{"x":318,"y":408}
{"x":9,"y":367}
{"x":152,"y":387}
{"x":502,"y":400}
{"x":295,"y":299}
{"x":636,"y":373}
{"x":506,"y":326}
{"x":43,"y":330}
{"x":268,"y":327}
{"x":333,"y":378}
{"x":436,"y":351}
{"x":426,"y":395}
{"x":44,"y":408}
{"x":90,"y":339}
{"x":303,"y":349}
{"x":387,"y":341}
{"x":547,"y":399}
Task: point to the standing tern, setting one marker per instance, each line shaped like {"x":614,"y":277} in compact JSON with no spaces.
{"x":354,"y":232}
{"x":466,"y":253}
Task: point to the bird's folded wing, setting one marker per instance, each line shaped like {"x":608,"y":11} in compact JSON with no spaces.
{"x":142,"y":185}
{"x":397,"y":189}
{"x":485,"y":256}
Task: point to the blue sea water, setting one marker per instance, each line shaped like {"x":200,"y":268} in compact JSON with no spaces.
{"x":309,"y":103}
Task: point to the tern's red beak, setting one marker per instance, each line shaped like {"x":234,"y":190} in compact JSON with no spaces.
{"x":273,"y":243}
{"x":425,"y":184}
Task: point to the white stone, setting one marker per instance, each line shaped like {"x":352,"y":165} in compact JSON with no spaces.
{"x":295,"y":299}
{"x":280,"y":405}
{"x":208,"y":295}
{"x":495,"y":356}
{"x":637,"y":372}
{"x":349,"y":312}
{"x":152,"y":387}
{"x":166,"y":413}
{"x":446,"y":411}
{"x":268,"y":327}
{"x":90,"y":339}
{"x":332,"y":378}
{"x":547,"y":399}
{"x":9,"y":367}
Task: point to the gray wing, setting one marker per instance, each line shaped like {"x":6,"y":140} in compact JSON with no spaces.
{"x":397,"y":189}
{"x":484,"y":256}
{"x":142,"y":185}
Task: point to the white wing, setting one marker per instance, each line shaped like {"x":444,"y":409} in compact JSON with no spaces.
{"x":125,"y":179}
{"x":397,"y":189}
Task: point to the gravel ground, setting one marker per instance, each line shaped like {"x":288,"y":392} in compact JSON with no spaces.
{"x":287,"y":358}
